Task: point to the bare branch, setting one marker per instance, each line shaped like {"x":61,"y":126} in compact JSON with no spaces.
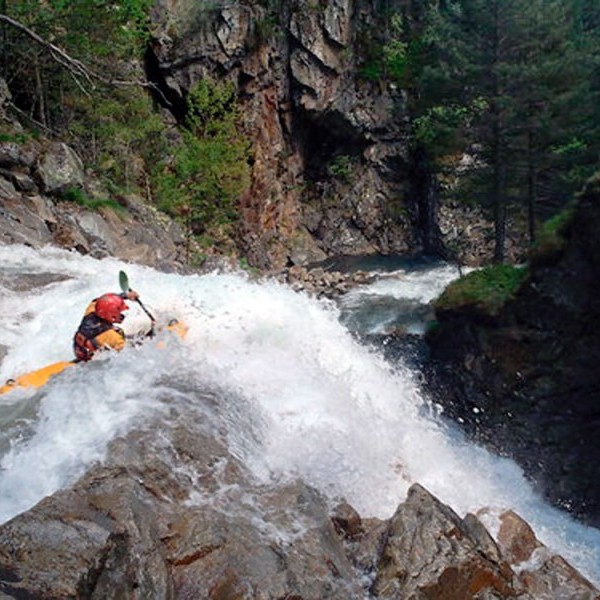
{"x":76,"y":68}
{"x":30,"y":118}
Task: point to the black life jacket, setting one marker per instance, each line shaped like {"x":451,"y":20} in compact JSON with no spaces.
{"x":84,"y":342}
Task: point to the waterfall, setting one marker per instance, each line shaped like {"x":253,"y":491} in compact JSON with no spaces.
{"x":297,"y":395}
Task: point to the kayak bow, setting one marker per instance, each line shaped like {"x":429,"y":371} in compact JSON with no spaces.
{"x":36,"y":379}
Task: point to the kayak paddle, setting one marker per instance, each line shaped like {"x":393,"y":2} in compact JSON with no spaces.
{"x":124,"y":283}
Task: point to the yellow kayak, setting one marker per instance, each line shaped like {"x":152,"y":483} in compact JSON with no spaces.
{"x":36,"y":379}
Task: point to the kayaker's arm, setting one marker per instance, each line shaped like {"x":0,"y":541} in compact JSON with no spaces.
{"x":130,"y":295}
{"x":112,"y":338}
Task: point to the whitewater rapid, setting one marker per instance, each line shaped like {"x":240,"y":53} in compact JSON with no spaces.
{"x":313,"y":401}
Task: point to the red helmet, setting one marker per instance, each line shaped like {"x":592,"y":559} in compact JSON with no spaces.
{"x":109,"y":308}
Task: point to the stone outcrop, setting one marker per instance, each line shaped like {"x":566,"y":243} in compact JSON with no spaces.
{"x":330,"y":159}
{"x":321,"y":282}
{"x":526,"y":380}
{"x":35,"y":177}
{"x":58,"y":169}
{"x":177,"y":516}
{"x":467,"y":234}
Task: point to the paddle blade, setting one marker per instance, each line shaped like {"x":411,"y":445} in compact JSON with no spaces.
{"x":123,"y":281}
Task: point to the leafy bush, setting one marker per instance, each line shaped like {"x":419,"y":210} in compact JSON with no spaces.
{"x":17,"y":138}
{"x":109,"y":127}
{"x":488,"y":289}
{"x":113,"y":132}
{"x":209,"y":170}
{"x":340,"y":167}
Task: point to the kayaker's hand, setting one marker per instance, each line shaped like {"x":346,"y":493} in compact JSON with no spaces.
{"x":132,"y":295}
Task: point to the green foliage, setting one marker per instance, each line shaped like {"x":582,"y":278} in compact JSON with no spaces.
{"x":269,"y":25}
{"x":518,"y":80}
{"x":79,"y":197}
{"x":395,"y":56}
{"x":110,"y":128}
{"x":17,"y":138}
{"x":245,"y":266}
{"x":487,"y":289}
{"x":552,"y":239}
{"x":395,"y":51}
{"x":102,"y":35}
{"x":91,"y":30}
{"x":114,"y":132}
{"x":341,"y":168}
{"x":439,"y":127}
{"x":371,"y":69}
{"x":266,"y":28}
{"x":209,"y":170}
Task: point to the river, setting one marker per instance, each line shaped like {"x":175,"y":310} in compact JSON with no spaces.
{"x":313,"y":400}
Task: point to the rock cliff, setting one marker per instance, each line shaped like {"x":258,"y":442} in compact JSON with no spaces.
{"x":330,"y":167}
{"x":526,"y":380}
{"x":332,"y":171}
{"x":36,"y":180}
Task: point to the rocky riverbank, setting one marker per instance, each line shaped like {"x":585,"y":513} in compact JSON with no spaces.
{"x":525,"y":379}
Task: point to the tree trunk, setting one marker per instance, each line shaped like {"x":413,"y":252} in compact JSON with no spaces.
{"x":425,"y":188}
{"x":499,"y":212}
{"x":531,"y":188}
{"x":498,"y":154}
{"x":499,"y":186}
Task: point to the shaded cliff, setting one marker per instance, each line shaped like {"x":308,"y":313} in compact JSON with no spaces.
{"x":525,"y":379}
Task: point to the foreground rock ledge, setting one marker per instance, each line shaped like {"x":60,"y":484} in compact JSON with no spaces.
{"x":136,"y":527}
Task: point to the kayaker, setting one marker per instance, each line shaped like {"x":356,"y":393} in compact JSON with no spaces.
{"x":98,"y":329}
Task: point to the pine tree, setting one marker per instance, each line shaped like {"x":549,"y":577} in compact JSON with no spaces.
{"x":510,"y":77}
{"x":554,"y":112}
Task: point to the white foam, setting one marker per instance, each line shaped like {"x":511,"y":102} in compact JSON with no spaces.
{"x":305,"y":398}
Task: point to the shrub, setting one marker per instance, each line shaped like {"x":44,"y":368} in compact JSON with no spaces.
{"x":78,"y":196}
{"x":341,"y":168}
{"x":203,"y":180}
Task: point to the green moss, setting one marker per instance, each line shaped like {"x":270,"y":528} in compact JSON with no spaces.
{"x":79,"y":197}
{"x":488,"y":289}
{"x":18,"y":138}
{"x":551,"y":239}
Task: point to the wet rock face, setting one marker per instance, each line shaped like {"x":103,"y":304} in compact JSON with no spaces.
{"x":171,"y":513}
{"x":526,"y":381}
{"x":133,"y":529}
{"x":330,"y":156}
{"x":448,"y":562}
{"x":137,"y":527}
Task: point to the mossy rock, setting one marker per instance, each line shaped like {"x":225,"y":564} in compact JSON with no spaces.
{"x":552,"y":239}
{"x":487,"y":290}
